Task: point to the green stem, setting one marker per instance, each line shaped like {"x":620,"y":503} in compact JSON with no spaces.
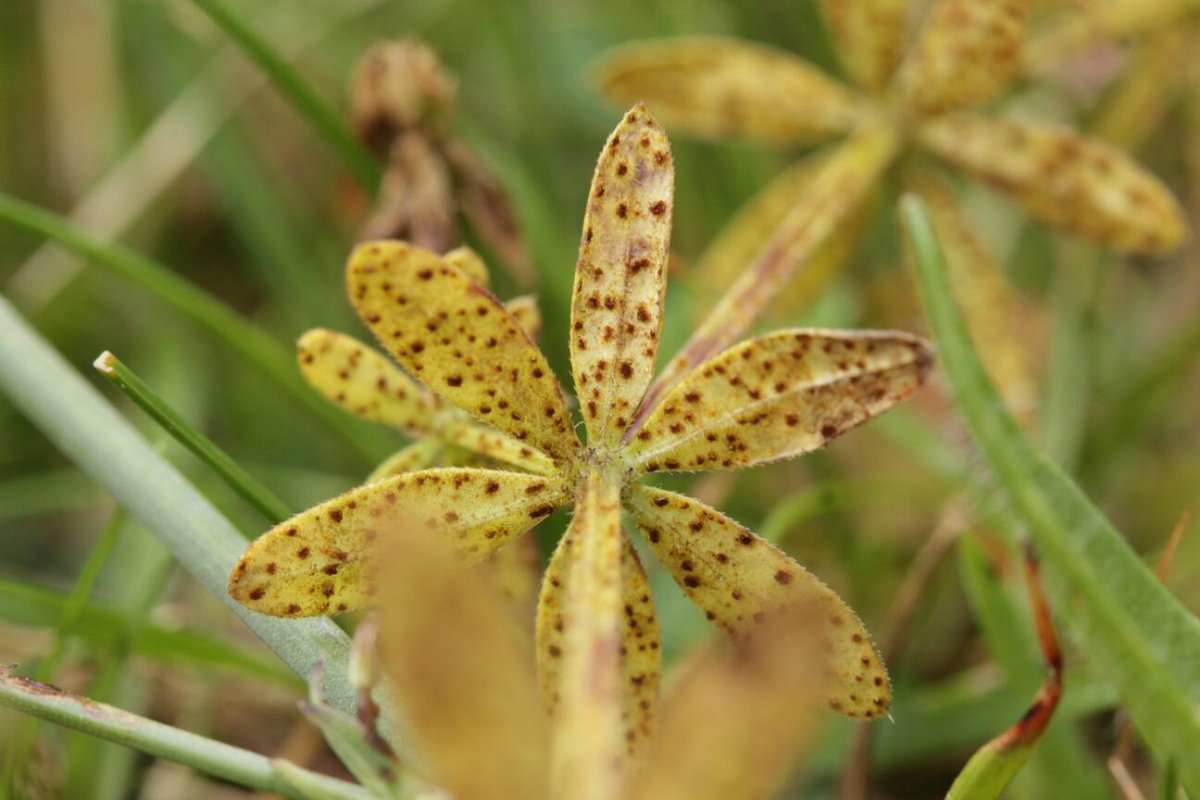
{"x":298,"y":93}
{"x":229,"y":470}
{"x":243,"y":337}
{"x":73,"y":415}
{"x":201,"y":753}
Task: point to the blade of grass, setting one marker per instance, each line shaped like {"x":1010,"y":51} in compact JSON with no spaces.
{"x":74,"y":416}
{"x":297,"y":92}
{"x":243,"y":337}
{"x":238,"y":479}
{"x":1130,"y":627}
{"x":201,"y":753}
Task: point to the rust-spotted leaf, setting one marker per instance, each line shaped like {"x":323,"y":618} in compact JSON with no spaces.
{"x":968,"y":52}
{"x":740,"y":580}
{"x":1078,"y":184}
{"x":454,"y":336}
{"x":315,"y":562}
{"x":777,"y":396}
{"x":363,"y":381}
{"x":870,"y":37}
{"x":620,"y":278}
{"x":718,"y":87}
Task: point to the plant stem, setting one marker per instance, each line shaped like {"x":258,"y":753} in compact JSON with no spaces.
{"x":199,"y":752}
{"x":173,"y":423}
{"x":298,"y":93}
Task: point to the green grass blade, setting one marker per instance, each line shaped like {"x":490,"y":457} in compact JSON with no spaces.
{"x":297,"y":92}
{"x":73,"y":415}
{"x":243,"y":337}
{"x":238,"y":479}
{"x":1130,"y":627}
{"x":199,"y":752}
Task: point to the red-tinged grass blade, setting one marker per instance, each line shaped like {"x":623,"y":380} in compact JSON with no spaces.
{"x":735,"y":724}
{"x":717,"y":87}
{"x":641,"y":659}
{"x":741,"y":580}
{"x":456,"y":338}
{"x":778,"y":396}
{"x":869,"y":35}
{"x":422,"y":454}
{"x":991,"y":305}
{"x":496,"y":446}
{"x":621,"y":276}
{"x":525,"y":311}
{"x":740,"y":241}
{"x":1078,"y":184}
{"x":968,"y":52}
{"x":589,"y":747}
{"x":994,"y":765}
{"x":315,"y":562}
{"x":461,"y":673}
{"x":363,"y":381}
{"x":836,"y":191}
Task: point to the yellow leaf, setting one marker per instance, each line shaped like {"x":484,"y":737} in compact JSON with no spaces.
{"x":420,"y":454}
{"x":778,"y":396}
{"x":740,"y":580}
{"x":837,"y":190}
{"x":314,"y":563}
{"x":734,"y":724}
{"x":1075,"y":183}
{"x":588,"y":732}
{"x":491,"y":444}
{"x":620,"y":278}
{"x":455,"y":337}
{"x":718,"y":87}
{"x":1111,"y":20}
{"x":869,"y":35}
{"x":736,"y":245}
{"x":968,"y":52}
{"x":363,"y":381}
{"x":641,"y":660}
{"x":461,"y":673}
{"x":525,"y":311}
{"x":470,"y":264}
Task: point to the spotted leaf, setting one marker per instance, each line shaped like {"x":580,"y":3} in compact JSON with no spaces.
{"x":470,"y":264}
{"x":870,"y":37}
{"x":461,"y":672}
{"x":718,"y":87}
{"x":1075,"y":183}
{"x":734,"y":723}
{"x":620,"y":278}
{"x":525,"y":311}
{"x":741,"y":580}
{"x":315,"y":562}
{"x":743,"y":238}
{"x":968,"y":52}
{"x":588,"y":736}
{"x":1071,"y":34}
{"x":641,"y":659}
{"x":455,"y":337}
{"x":491,"y":444}
{"x":363,"y":381}
{"x":419,"y":455}
{"x":777,"y":396}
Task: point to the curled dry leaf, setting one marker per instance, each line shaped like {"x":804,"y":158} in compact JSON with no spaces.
{"x":1079,"y":184}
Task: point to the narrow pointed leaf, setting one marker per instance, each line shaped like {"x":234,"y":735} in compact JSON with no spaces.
{"x":316,"y":562}
{"x":419,"y":455}
{"x":456,"y":338}
{"x":491,"y":444}
{"x":588,"y":733}
{"x":641,"y":660}
{"x":736,"y":245}
{"x":968,"y":52}
{"x":734,"y":724}
{"x":992,"y":306}
{"x":1130,"y":627}
{"x":621,"y":276}
{"x":719,"y":87}
{"x":461,"y":672}
{"x":1079,"y":184}
{"x":869,"y":35}
{"x":837,"y":190}
{"x":777,"y":396}
{"x":365,"y":382}
{"x":739,"y":580}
